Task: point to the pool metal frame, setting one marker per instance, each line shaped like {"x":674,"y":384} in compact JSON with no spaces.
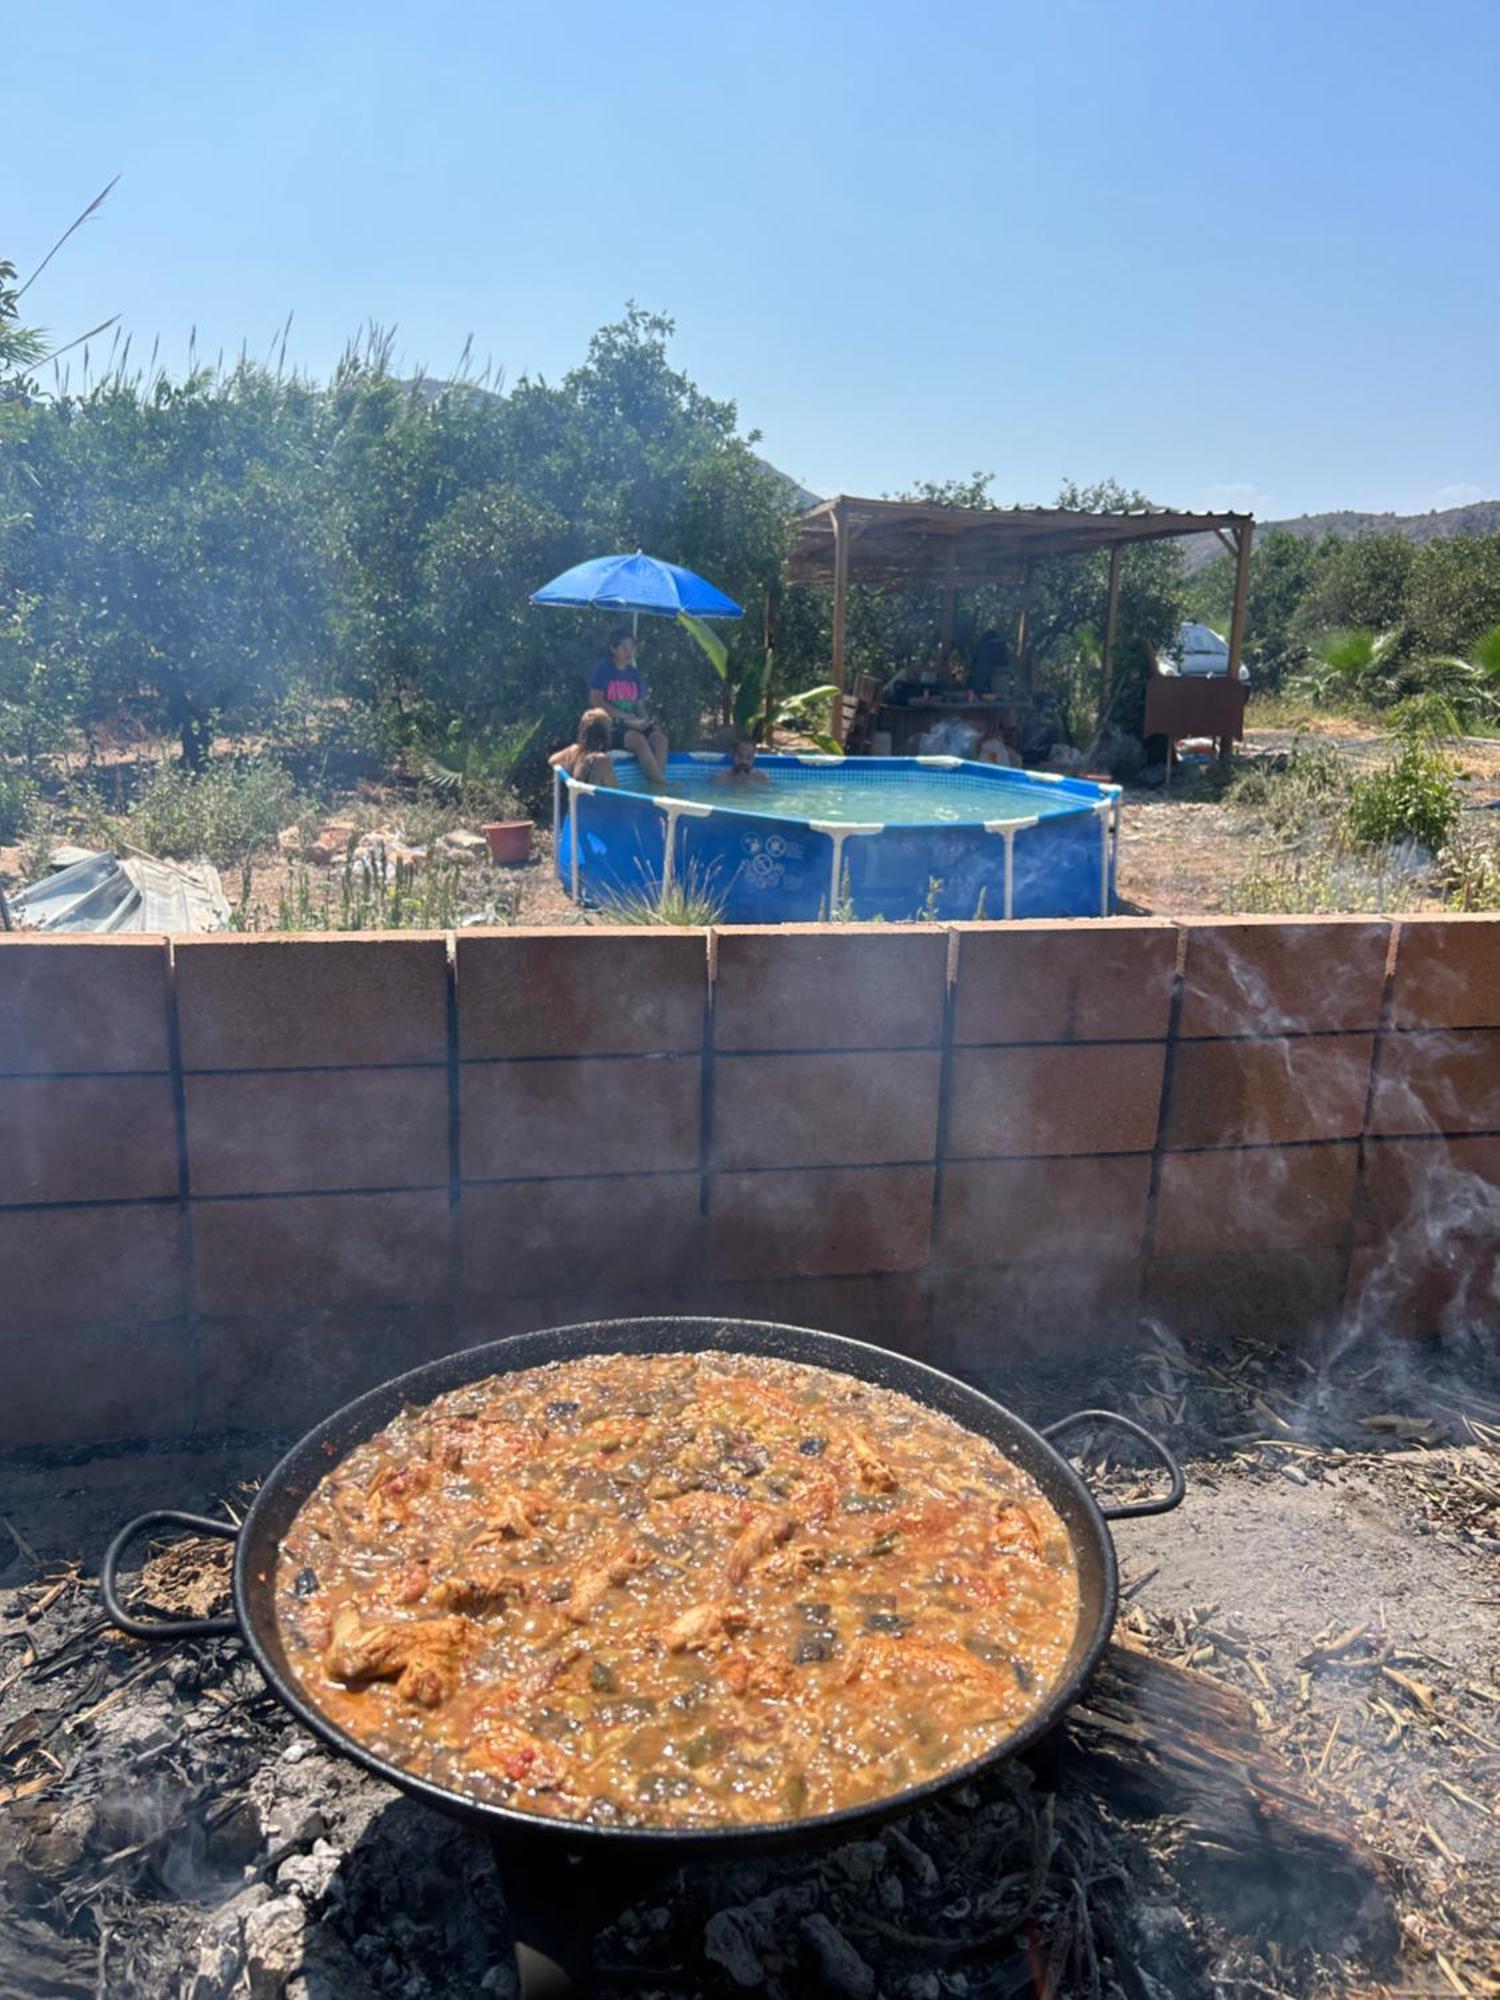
{"x":1102,"y":800}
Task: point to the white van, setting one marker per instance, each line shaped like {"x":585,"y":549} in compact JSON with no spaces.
{"x":1199,"y":650}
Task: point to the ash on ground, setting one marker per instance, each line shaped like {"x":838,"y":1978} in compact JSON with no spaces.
{"x":167,"y":1829}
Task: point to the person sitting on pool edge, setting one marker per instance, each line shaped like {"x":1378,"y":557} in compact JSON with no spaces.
{"x":741,"y":767}
{"x":588,"y":759}
{"x":616,"y":686}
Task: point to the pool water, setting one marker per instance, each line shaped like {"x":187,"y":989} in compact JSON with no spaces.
{"x":856,"y":797}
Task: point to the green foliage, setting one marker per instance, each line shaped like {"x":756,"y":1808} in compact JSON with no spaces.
{"x":245,"y":551}
{"x":808,"y":712}
{"x":18,"y":802}
{"x":229,"y":808}
{"x":474,"y":771}
{"x":1412,"y":798}
{"x":21,"y":347}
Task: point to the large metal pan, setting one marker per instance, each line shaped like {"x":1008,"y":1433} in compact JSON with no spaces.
{"x":525,"y":1833}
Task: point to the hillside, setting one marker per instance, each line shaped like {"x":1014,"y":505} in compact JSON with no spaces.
{"x":1479,"y":517}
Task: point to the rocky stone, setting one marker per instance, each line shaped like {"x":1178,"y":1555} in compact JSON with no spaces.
{"x":275,"y":1942}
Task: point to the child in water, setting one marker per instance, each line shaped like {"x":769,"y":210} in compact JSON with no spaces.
{"x":742,"y":769}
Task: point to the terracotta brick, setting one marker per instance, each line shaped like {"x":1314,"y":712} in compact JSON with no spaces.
{"x":271,"y":1132}
{"x":572,"y":992}
{"x":529,"y":1120}
{"x":324,"y":1252}
{"x":1437,"y":1287}
{"x":87,"y":1138}
{"x":990,"y":1324}
{"x":1269,"y":1295}
{"x":302,"y":1002}
{"x":74,"y":1387}
{"x":826,"y":1110}
{"x":1268,"y":1093}
{"x":67,"y":1004}
{"x":75,"y":1266}
{"x":1272,"y":976}
{"x":1087,"y":980}
{"x":892,"y":1311}
{"x":1263,"y":1198}
{"x":1447,"y":973}
{"x":1424,"y":1189}
{"x":1438,"y":1083}
{"x":815,"y":986}
{"x":284,"y":1372}
{"x":1101,"y":1099}
{"x":820,"y":1222}
{"x":580,"y":1236}
{"x":996,"y":1211}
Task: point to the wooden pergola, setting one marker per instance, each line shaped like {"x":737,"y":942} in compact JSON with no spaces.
{"x":926,"y":545}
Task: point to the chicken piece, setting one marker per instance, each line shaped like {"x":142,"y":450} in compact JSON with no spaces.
{"x":411,"y":1585}
{"x":421,"y":1655}
{"x":701,"y":1624}
{"x":511,"y":1752}
{"x":874,"y":1474}
{"x":480,"y":1584}
{"x":1016,"y":1529}
{"x":745,"y":1674}
{"x":592,"y":1585}
{"x":700,"y":1507}
{"x":793,"y":1564}
{"x":758,"y":1539}
{"x":926,"y":1664}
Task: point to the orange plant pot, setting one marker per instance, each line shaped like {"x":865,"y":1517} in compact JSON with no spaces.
{"x":509,"y":839}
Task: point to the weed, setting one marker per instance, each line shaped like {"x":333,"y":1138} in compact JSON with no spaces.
{"x":1413,"y":798}
{"x":231,"y":807}
{"x":691,"y":902}
{"x":371,"y":893}
{"x":1288,"y":885}
{"x":1470,"y":866}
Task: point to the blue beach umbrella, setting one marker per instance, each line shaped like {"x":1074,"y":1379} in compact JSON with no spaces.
{"x":637,"y":583}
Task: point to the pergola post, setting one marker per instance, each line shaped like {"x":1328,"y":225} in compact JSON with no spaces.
{"x":1022,"y":624}
{"x":950,"y":594}
{"x":1111,"y":616}
{"x":1243,"y":534}
{"x":840,"y":609}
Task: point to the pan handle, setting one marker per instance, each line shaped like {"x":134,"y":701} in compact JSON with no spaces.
{"x":1125,"y":1511}
{"x":160,"y":1626}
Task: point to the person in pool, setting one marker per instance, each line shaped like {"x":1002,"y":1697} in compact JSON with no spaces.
{"x":588,"y":759}
{"x":616,"y":686}
{"x":741,"y":769}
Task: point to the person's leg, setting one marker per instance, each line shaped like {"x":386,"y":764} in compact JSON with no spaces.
{"x":659,"y":748}
{"x":640,"y":749}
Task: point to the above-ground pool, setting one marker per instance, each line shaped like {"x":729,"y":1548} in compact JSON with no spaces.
{"x":893,"y":837}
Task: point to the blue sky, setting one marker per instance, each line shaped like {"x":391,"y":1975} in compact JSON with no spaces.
{"x":1231,"y":255}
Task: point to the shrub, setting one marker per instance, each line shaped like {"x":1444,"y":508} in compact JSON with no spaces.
{"x":18,"y":797}
{"x":231,"y":807}
{"x":1413,"y":798}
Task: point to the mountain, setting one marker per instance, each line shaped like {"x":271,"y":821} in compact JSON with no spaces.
{"x":1479,"y":517}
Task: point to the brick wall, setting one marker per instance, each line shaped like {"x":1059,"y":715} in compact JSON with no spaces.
{"x":241,"y":1178}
